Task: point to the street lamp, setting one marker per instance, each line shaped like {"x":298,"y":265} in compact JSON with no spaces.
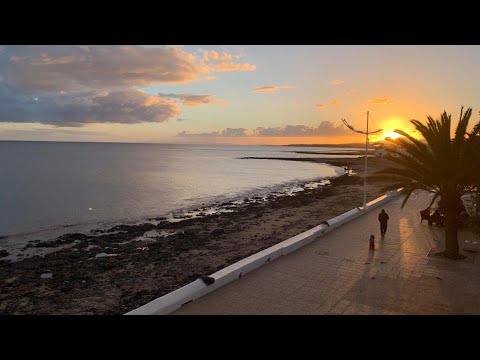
{"x":366,"y":153}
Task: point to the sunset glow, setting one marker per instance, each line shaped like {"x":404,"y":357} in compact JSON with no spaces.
{"x":247,"y":95}
{"x":391,"y":134}
{"x":130,"y":173}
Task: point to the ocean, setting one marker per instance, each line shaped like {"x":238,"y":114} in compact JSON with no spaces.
{"x":51,"y":188}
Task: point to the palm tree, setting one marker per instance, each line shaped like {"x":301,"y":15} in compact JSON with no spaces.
{"x":441,"y":165}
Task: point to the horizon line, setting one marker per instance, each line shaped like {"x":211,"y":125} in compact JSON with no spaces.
{"x":176,"y":143}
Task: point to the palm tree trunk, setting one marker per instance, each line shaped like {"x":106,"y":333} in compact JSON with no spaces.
{"x":451,"y":230}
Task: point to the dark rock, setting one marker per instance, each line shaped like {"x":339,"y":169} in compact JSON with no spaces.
{"x":4,"y":253}
{"x":98,"y":231}
{"x":61,"y":240}
{"x":346,"y":180}
{"x":218,"y":232}
{"x":208,"y":280}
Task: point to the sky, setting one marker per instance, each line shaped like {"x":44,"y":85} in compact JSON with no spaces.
{"x":261,"y":94}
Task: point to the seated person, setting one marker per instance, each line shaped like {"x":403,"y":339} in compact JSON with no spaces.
{"x":425,"y":214}
{"x":437,"y":218}
{"x":463,"y":218}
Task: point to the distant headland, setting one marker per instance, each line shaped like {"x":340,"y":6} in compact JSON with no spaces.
{"x":352,"y":145}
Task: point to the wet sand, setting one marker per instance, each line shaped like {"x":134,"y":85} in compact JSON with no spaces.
{"x":119,"y":269}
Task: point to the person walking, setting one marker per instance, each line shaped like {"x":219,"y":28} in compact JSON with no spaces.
{"x":372,"y":242}
{"x":383,"y":218}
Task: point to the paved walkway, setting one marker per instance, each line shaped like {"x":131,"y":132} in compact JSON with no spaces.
{"x":337,"y":274}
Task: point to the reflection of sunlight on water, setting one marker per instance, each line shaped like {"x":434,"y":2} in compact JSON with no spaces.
{"x":123,"y":183}
{"x":14,"y":243}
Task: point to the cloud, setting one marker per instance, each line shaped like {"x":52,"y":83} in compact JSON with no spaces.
{"x":54,"y":131}
{"x":337,"y":82}
{"x":62,"y":67}
{"x":231,"y":66}
{"x":380,"y":100}
{"x":229,"y":132}
{"x":78,"y":109}
{"x":324,"y":106}
{"x":351,"y":92}
{"x":270,"y":89}
{"x":215,"y":56}
{"x":76,"y":68}
{"x":182,"y":119}
{"x":221,"y":62}
{"x":191,"y":100}
{"x":325,"y":128}
{"x":76,"y":85}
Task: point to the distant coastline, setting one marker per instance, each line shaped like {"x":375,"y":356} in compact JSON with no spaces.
{"x":352,"y":145}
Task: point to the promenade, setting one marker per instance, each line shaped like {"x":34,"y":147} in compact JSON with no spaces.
{"x":338,"y":274}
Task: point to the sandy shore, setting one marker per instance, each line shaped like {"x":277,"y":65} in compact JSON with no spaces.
{"x":117,"y":270}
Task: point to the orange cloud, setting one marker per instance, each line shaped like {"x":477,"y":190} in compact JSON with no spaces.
{"x":151,"y":100}
{"x":380,"y":100}
{"x":323,"y":106}
{"x":222,"y":62}
{"x":231,"y":66}
{"x":337,"y":82}
{"x":270,"y":89}
{"x":215,"y":56}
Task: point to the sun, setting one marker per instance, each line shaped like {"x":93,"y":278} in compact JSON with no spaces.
{"x":391,"y":134}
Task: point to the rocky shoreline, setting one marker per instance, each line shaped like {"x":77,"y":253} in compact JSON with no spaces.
{"x":115,"y":270}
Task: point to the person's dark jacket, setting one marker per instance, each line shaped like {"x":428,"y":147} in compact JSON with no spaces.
{"x":383,"y":218}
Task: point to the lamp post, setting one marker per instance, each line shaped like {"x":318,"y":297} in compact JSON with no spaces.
{"x":366,"y":155}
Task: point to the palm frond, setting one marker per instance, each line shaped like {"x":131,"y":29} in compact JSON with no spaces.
{"x":439,"y":164}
